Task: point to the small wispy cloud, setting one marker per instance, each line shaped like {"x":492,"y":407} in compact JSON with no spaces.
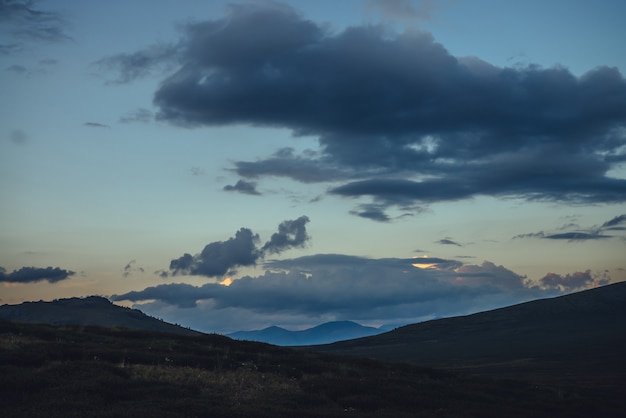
{"x":447,"y":241}
{"x":242,"y":186}
{"x":96,"y":125}
{"x":576,"y":233}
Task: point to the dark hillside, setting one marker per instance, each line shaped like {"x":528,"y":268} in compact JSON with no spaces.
{"x":83,"y":371}
{"x":92,"y":310}
{"x":577,"y":340}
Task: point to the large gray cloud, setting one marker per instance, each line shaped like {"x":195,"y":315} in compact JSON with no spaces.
{"x":217,"y":258}
{"x":35,"y":274}
{"x":221,"y":257}
{"x":572,"y":282}
{"x":324,"y":287}
{"x":399,"y":119}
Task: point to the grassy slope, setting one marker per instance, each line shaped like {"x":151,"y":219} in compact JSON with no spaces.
{"x":575,"y":341}
{"x":92,"y":310}
{"x":62,"y":371}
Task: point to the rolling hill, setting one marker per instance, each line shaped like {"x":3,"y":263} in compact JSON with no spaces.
{"x":321,"y":334}
{"x":92,"y":310}
{"x":573,"y":340}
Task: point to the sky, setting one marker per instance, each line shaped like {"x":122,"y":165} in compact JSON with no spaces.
{"x":234,"y":165}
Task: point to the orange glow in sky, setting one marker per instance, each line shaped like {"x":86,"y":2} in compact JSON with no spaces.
{"x":227,"y":281}
{"x":423,"y":264}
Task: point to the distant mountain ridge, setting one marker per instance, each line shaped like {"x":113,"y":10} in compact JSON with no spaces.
{"x":91,"y":310}
{"x":322,"y":334}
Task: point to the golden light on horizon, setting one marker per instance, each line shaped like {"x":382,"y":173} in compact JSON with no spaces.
{"x":227,"y":281}
{"x":424,"y":265}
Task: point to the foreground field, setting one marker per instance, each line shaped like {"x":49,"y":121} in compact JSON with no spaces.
{"x":64,"y":371}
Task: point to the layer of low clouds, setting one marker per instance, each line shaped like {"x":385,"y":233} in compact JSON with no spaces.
{"x":35,"y":274}
{"x":571,"y":282}
{"x":324,"y":287}
{"x":400,"y":121}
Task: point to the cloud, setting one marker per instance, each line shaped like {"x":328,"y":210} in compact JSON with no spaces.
{"x":308,"y":167}
{"x":581,"y":234}
{"x":326,"y":287}
{"x":218,"y":258}
{"x":221,"y":257}
{"x":129,"y":268}
{"x":35,"y":274}
{"x":242,"y":186}
{"x":614,"y":224}
{"x":447,"y":241}
{"x":291,"y":234}
{"x":371,"y":211}
{"x":10,"y":49}
{"x":17,"y":69}
{"x":155,"y":59}
{"x":403,"y":9}
{"x":577,"y":236}
{"x":572,"y":282}
{"x":48,"y":61}
{"x":138,"y":115}
{"x":95,"y":125}
{"x":399,"y":119}
{"x":19,"y":19}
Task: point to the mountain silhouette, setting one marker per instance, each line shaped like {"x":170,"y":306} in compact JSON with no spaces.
{"x":548,"y":340}
{"x":92,"y":310}
{"x":321,"y":334}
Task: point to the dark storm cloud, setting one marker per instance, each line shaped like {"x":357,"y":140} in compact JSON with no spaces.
{"x":217,"y":258}
{"x":35,"y":274}
{"x":242,"y":186}
{"x":309,"y":167}
{"x":581,"y":234}
{"x":397,"y":116}
{"x":21,"y":19}
{"x":575,"y":281}
{"x":348,"y":287}
{"x":291,"y":234}
{"x":222,"y":257}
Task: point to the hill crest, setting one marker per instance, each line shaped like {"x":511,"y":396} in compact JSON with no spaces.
{"x":90,"y":310}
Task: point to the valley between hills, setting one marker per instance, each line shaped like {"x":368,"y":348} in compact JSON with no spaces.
{"x":545,"y":358}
